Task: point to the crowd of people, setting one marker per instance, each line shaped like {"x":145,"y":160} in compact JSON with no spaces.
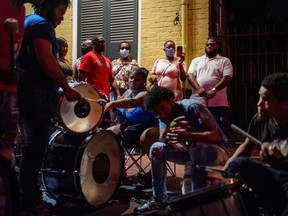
{"x":168,"y":126}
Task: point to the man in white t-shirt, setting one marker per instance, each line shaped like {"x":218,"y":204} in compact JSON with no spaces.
{"x":210,"y":75}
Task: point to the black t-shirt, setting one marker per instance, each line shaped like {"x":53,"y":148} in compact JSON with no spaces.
{"x":266,"y":130}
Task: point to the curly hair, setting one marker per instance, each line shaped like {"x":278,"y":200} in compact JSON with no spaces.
{"x":156,"y":95}
{"x":46,"y":8}
{"x":278,"y":83}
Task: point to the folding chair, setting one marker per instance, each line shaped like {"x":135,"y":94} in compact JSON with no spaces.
{"x":136,"y":159}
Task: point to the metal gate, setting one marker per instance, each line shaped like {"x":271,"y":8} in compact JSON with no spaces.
{"x":256,"y":49}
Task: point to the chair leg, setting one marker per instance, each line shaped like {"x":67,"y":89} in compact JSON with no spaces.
{"x":134,"y":161}
{"x":170,"y":170}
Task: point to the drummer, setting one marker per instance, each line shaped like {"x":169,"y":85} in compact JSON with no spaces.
{"x":97,"y":69}
{"x":269,"y":182}
{"x":37,"y":93}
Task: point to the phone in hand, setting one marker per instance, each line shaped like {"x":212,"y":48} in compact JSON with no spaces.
{"x":179,"y":51}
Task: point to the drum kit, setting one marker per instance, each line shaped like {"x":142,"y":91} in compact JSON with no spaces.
{"x":83,"y":164}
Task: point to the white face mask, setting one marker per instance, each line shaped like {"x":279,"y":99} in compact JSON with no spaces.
{"x":170,"y":52}
{"x":124,"y":53}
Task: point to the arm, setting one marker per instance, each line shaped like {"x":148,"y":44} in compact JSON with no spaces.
{"x":245,"y":149}
{"x":114,"y":87}
{"x":153,"y":78}
{"x":182,"y":67}
{"x":49,"y":65}
{"x":225,"y":81}
{"x":193,"y":82}
{"x":179,"y":132}
{"x":136,"y":101}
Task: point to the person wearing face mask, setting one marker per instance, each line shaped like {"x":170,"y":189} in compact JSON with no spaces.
{"x":170,"y":71}
{"x":122,"y":68}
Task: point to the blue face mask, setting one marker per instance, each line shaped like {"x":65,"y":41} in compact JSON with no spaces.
{"x":124,"y":53}
{"x":170,"y":52}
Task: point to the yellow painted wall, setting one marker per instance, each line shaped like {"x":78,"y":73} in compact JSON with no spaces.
{"x":156,"y":27}
{"x":63,"y":30}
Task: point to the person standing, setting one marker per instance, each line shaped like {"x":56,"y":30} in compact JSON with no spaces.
{"x":37,"y":93}
{"x":123,"y":67}
{"x":210,"y":75}
{"x":9,"y":75}
{"x":268,"y":178}
{"x":170,"y":71}
{"x":65,"y":65}
{"x":97,"y":70}
{"x":86,"y":46}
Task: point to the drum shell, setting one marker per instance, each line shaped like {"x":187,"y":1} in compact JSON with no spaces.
{"x":65,"y":170}
{"x":222,"y":199}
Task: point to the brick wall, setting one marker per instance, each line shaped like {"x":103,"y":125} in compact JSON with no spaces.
{"x":156,"y":27}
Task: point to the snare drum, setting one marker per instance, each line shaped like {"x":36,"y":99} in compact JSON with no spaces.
{"x":81,"y":117}
{"x":223,"y":200}
{"x":85,"y":170}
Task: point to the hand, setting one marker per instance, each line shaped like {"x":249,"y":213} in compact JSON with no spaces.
{"x":72,"y":95}
{"x":176,"y":135}
{"x":182,"y":58}
{"x":201,"y":92}
{"x":153,"y":79}
{"x":180,"y":122}
{"x":272,"y":155}
{"x":211,"y":93}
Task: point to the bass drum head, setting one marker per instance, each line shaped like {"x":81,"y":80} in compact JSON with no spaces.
{"x":81,"y":117}
{"x":101,"y":168}
{"x":9,"y":193}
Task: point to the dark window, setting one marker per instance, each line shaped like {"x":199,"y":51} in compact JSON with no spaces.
{"x":116,"y":20}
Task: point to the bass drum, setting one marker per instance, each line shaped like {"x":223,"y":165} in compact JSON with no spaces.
{"x":9,"y":190}
{"x":81,"y":117}
{"x":80,"y":170}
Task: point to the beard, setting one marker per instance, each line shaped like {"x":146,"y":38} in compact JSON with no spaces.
{"x":211,"y":54}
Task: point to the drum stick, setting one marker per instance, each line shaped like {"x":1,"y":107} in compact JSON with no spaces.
{"x":101,"y":102}
{"x":210,"y":169}
{"x":11,"y":25}
{"x":240,"y":131}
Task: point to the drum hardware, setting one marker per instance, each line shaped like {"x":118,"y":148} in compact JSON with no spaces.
{"x":101,"y":102}
{"x":211,"y":169}
{"x":240,"y":131}
{"x":82,"y":170}
{"x":221,"y":199}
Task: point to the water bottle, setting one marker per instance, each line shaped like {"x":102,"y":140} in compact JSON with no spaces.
{"x":186,"y":184}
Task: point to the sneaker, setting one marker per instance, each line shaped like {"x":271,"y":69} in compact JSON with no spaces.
{"x":148,"y":208}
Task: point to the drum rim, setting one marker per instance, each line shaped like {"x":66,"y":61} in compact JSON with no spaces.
{"x":92,"y":128}
{"x":77,"y":165}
